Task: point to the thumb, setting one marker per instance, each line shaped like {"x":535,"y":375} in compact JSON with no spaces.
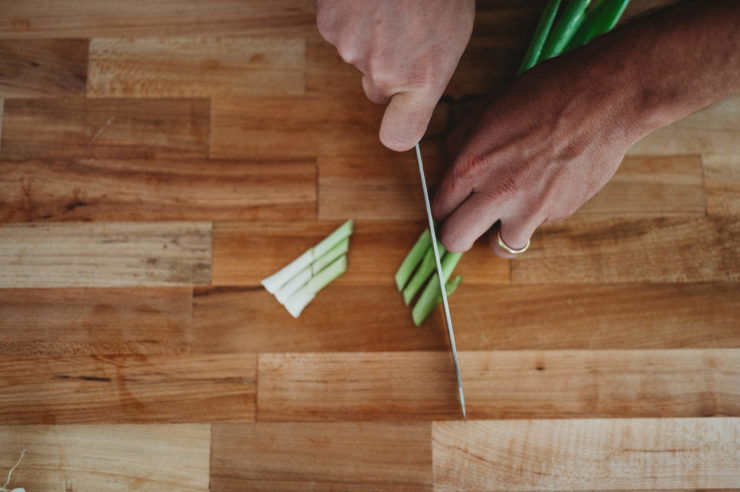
{"x":405,"y":120}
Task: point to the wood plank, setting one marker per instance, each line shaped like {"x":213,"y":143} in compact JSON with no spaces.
{"x":516,"y":317}
{"x":196,"y":67}
{"x":501,"y":384}
{"x":342,"y":318}
{"x":595,"y":250}
{"x":590,"y":317}
{"x":110,"y":18}
{"x":127,"y":388}
{"x":105,"y":255}
{"x":245,"y":253}
{"x":614,"y":454}
{"x":711,"y":130}
{"x":159,"y":189}
{"x":389,"y":188}
{"x":43,"y":67}
{"x":339,"y":456}
{"x":654,"y":185}
{"x":325,"y":125}
{"x":116,"y":128}
{"x":365,"y":187}
{"x":722,"y":183}
{"x":108,"y":457}
{"x":95,"y":321}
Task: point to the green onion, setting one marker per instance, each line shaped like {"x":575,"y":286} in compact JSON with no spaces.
{"x":598,"y":21}
{"x":314,"y":268}
{"x":274,"y":282}
{"x":564,"y":29}
{"x":540,"y":36}
{"x":413,"y":259}
{"x":427,"y":266}
{"x":300,"y":299}
{"x":431,"y":294}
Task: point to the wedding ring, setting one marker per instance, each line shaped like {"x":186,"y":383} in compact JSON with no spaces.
{"x":507,"y":248}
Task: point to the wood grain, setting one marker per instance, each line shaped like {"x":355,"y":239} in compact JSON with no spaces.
{"x":340,"y":456}
{"x":623,"y":316}
{"x":656,"y":185}
{"x":593,"y":317}
{"x":364,"y":187}
{"x":95,"y":321}
{"x":190,"y":67}
{"x":249,"y":319}
{"x":108,"y":457}
{"x":614,"y":454}
{"x":43,"y":67}
{"x":314,"y":125}
{"x":105,"y":255}
{"x":389,"y":188}
{"x":161,"y":189}
{"x":127,"y":388}
{"x":246,"y":252}
{"x":722,"y":183}
{"x":115,"y":128}
{"x":513,"y":384}
{"x":594,"y":250}
{"x":110,"y":18}
{"x":712,"y":130}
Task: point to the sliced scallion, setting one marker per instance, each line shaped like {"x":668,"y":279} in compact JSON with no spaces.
{"x":300,"y":299}
{"x":427,"y":266}
{"x":274,"y":282}
{"x":412,"y":260}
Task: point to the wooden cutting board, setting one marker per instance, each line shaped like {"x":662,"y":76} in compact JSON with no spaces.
{"x":159,"y":158}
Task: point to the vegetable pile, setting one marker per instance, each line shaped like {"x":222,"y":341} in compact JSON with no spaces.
{"x":420,"y":262}
{"x":296,"y":285}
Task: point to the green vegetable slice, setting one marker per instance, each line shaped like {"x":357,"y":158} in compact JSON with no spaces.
{"x":427,"y":266}
{"x":429,"y":297}
{"x":412,"y":260}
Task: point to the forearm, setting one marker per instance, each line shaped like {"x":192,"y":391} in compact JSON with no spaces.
{"x":668,"y":64}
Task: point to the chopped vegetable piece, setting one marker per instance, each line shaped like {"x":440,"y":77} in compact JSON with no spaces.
{"x":413,"y":259}
{"x":428,"y":298}
{"x":564,"y":29}
{"x":427,"y":266}
{"x":540,"y":36}
{"x":274,"y":282}
{"x":300,"y":299}
{"x":598,"y":21}
{"x":305,"y":275}
{"x":451,"y":287}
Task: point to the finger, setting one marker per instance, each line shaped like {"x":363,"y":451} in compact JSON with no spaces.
{"x":515,"y":233}
{"x":372,"y":92}
{"x":405,"y":120}
{"x":452,"y":191}
{"x":469,"y":222}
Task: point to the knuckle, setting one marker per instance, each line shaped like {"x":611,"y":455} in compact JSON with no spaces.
{"x":452,"y":241}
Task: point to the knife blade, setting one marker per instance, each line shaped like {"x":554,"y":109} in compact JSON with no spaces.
{"x":442,"y":280}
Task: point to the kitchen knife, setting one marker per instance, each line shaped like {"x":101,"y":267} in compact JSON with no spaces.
{"x":442,"y":281}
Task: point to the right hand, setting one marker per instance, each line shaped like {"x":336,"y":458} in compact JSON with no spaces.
{"x":407,"y":51}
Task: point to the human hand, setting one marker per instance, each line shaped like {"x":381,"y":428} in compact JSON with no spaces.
{"x":537,"y":153}
{"x":407,"y":51}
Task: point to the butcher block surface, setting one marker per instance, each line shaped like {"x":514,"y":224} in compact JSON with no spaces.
{"x":158,"y":158}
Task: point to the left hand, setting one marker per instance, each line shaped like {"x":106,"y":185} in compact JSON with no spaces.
{"x":537,"y":153}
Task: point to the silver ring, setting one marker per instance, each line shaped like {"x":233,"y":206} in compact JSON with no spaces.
{"x":507,"y":248}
